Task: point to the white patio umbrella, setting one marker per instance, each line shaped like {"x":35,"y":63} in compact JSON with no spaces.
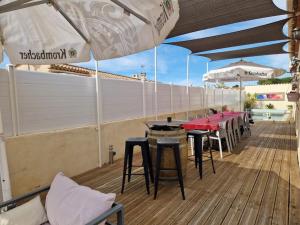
{"x":242,"y":71}
{"x":68,"y":31}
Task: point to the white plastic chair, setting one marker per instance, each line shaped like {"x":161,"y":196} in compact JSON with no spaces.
{"x":236,"y":129}
{"x":230,"y":133}
{"x":219,"y":135}
{"x":246,"y":127}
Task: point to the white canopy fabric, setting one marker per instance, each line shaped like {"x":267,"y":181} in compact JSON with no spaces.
{"x":242,"y":71}
{"x":67,"y":31}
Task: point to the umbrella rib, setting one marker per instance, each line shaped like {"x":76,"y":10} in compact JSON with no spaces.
{"x":69,"y":20}
{"x":126,"y":8}
{"x":21,"y":4}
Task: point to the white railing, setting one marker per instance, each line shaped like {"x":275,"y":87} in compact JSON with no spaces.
{"x":48,"y":102}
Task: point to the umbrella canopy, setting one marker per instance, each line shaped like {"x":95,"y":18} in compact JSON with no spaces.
{"x":242,"y":71}
{"x":66,"y":31}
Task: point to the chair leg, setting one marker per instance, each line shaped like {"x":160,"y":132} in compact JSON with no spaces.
{"x":212,"y":161}
{"x":239,"y":134}
{"x":220,"y":147}
{"x":150,"y":165}
{"x":179,"y":172}
{"x":125,"y":168}
{"x":157,"y":170}
{"x":232,"y":140}
{"x":198,"y":156}
{"x":130,"y":154}
{"x":196,"y":151}
{"x":227,"y":143}
{"x":146,"y":168}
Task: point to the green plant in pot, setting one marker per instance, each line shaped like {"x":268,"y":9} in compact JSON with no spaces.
{"x":270,"y":106}
{"x":290,"y":107}
{"x":250,"y":101}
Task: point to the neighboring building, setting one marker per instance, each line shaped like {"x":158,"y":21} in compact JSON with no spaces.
{"x":274,"y":94}
{"x":79,"y":71}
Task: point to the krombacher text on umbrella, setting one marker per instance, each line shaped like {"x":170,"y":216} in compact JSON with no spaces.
{"x":61,"y":54}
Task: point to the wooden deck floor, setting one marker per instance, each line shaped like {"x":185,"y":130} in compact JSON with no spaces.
{"x":258,"y":184}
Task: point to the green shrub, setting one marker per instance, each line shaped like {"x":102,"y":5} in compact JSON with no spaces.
{"x":250,"y":101}
{"x":270,"y":106}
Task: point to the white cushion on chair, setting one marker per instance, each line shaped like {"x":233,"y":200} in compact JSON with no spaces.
{"x":30,"y":213}
{"x":68,"y":203}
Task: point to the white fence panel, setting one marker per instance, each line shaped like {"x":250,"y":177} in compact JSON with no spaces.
{"x":180,"y":99}
{"x":164,"y":98}
{"x":121,"y":99}
{"x":50,"y":101}
{"x":210,"y":97}
{"x":196,"y":98}
{"x":150,"y":98}
{"x":5,"y":103}
{"x":218,"y":97}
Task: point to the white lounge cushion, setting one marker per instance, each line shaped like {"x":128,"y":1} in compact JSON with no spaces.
{"x":30,"y":213}
{"x":69,"y":203}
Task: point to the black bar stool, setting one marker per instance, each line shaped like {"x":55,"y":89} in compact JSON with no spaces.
{"x":198,"y":136}
{"x":147,"y":163}
{"x":173,"y":143}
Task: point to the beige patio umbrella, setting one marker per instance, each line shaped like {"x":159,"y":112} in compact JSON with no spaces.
{"x":68,"y":31}
{"x":242,"y":71}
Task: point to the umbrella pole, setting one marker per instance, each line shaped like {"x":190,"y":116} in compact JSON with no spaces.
{"x":99,"y":112}
{"x":155,"y":81}
{"x":241,"y":94}
{"x":187,"y":84}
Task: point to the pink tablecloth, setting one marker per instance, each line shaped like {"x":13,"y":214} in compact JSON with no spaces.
{"x":212,"y":122}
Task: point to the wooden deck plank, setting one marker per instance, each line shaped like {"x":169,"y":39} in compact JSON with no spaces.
{"x":265,"y":213}
{"x":251,"y":186}
{"x":238,"y":204}
{"x":185,"y":214}
{"x":294,"y":206}
{"x":281,"y":207}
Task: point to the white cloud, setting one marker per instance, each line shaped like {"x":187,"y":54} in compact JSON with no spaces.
{"x":278,"y":61}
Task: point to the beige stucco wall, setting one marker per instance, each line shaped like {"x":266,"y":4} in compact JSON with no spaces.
{"x":274,"y":88}
{"x":35,"y":159}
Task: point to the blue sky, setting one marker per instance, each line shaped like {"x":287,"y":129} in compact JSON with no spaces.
{"x":172,"y":59}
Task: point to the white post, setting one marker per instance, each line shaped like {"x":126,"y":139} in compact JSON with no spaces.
{"x":99,"y":111}
{"x":13,"y":100}
{"x":172,"y":105}
{"x":155,"y":80}
{"x":206,"y":91}
{"x":187,"y":85}
{"x":222,"y":99}
{"x":241,"y":94}
{"x":144,"y":98}
{"x":4,"y":172}
{"x":207,"y":67}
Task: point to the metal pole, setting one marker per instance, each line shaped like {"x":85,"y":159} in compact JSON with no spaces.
{"x":13,"y":100}
{"x":207,"y":67}
{"x":99,"y":111}
{"x":144,"y":98}
{"x":206,"y":84}
{"x":4,"y":172}
{"x":172,"y":104}
{"x":155,"y":80}
{"x":241,"y":94}
{"x":187,"y":85}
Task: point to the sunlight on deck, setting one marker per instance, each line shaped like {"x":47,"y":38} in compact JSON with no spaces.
{"x":258,"y":184}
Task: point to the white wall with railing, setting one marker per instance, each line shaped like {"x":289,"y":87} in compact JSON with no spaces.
{"x":33,"y":102}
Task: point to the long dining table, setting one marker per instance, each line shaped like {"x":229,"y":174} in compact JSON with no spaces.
{"x":212,"y":122}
